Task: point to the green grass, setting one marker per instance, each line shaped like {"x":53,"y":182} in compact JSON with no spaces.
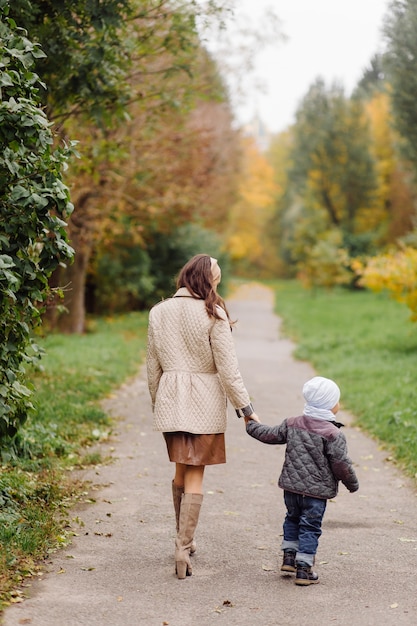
{"x":36,"y":487}
{"x":367,"y":343}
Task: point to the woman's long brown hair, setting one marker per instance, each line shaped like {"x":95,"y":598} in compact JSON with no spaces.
{"x":197,"y":277}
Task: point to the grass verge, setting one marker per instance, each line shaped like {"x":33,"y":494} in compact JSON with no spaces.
{"x":36,"y":488}
{"x":367,"y":343}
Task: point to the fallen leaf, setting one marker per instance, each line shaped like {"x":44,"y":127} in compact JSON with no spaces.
{"x":227,"y":603}
{"x":343,"y":553}
{"x":405,"y":540}
{"x":398,"y":521}
{"x":119,"y":598}
{"x":394,"y":606}
{"x":231,"y":513}
{"x":88,"y":569}
{"x":267,"y":568}
{"x":61,"y":571}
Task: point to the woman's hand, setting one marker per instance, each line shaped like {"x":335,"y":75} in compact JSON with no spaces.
{"x":253,"y":417}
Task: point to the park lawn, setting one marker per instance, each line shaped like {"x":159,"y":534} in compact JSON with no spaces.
{"x":368,"y":345}
{"x":36,"y":486}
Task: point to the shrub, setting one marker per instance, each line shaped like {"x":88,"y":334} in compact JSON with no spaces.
{"x":33,"y":203}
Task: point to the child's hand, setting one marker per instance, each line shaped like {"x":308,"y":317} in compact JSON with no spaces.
{"x":253,"y":417}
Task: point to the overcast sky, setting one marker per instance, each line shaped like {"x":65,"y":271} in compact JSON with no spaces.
{"x":334,"y":39}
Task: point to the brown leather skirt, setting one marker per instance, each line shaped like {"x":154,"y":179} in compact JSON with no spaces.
{"x":193,"y":449}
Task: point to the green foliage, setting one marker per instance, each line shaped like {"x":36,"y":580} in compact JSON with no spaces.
{"x":102,"y":55}
{"x":373,"y":78}
{"x":400,"y":63}
{"x":67,"y":421}
{"x":365,"y":342}
{"x":86,"y":53}
{"x":326,"y":262}
{"x":33,"y":203}
{"x":31,"y":514}
{"x":331,"y":160}
{"x":127,"y":277}
{"x":131,"y":78}
{"x":121,"y":279}
{"x":394,"y":272}
{"x":76,"y":372}
{"x":169,"y":253}
{"x":329,"y":209}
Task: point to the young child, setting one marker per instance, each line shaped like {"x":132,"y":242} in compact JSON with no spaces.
{"x":316,"y":459}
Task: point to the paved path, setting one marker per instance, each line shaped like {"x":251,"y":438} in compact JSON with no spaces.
{"x":119,"y":570}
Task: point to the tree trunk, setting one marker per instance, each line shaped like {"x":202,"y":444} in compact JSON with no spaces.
{"x":73,"y":277}
{"x":68,"y":314}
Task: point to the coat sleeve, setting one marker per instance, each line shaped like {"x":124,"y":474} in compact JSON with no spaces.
{"x":224,"y":355}
{"x":340,"y":463}
{"x":267,"y":434}
{"x":153,"y":366}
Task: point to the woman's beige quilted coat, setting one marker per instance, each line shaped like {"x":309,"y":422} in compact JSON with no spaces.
{"x":192,"y":367}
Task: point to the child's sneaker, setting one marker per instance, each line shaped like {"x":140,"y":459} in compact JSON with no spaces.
{"x":305,"y":575}
{"x":288,"y":562}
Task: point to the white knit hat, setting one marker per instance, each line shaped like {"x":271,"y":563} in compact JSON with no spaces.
{"x":321,"y":395}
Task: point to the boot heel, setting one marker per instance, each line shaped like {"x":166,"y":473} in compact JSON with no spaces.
{"x":182,"y":570}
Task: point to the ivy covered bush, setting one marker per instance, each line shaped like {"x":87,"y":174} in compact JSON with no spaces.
{"x":34,"y":203}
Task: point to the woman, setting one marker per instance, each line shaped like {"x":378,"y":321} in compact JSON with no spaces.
{"x":192,"y":370}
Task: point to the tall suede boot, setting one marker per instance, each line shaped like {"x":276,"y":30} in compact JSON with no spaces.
{"x":188,"y":520}
{"x":176,"y":498}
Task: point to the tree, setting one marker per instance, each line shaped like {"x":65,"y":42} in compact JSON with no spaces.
{"x":332,"y":170}
{"x":400,"y":64}
{"x":373,"y":79}
{"x":248,"y":230}
{"x":171,"y":198}
{"x":179,"y":172}
{"x":33,"y":205}
{"x":100,"y":59}
{"x":281,"y":223}
{"x":394,"y":182}
{"x":86,"y":53}
{"x":331,"y":157}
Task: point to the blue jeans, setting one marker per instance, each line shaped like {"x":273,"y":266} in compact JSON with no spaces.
{"x":302,"y":525}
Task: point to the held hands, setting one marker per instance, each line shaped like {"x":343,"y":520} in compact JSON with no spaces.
{"x":253,"y":417}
